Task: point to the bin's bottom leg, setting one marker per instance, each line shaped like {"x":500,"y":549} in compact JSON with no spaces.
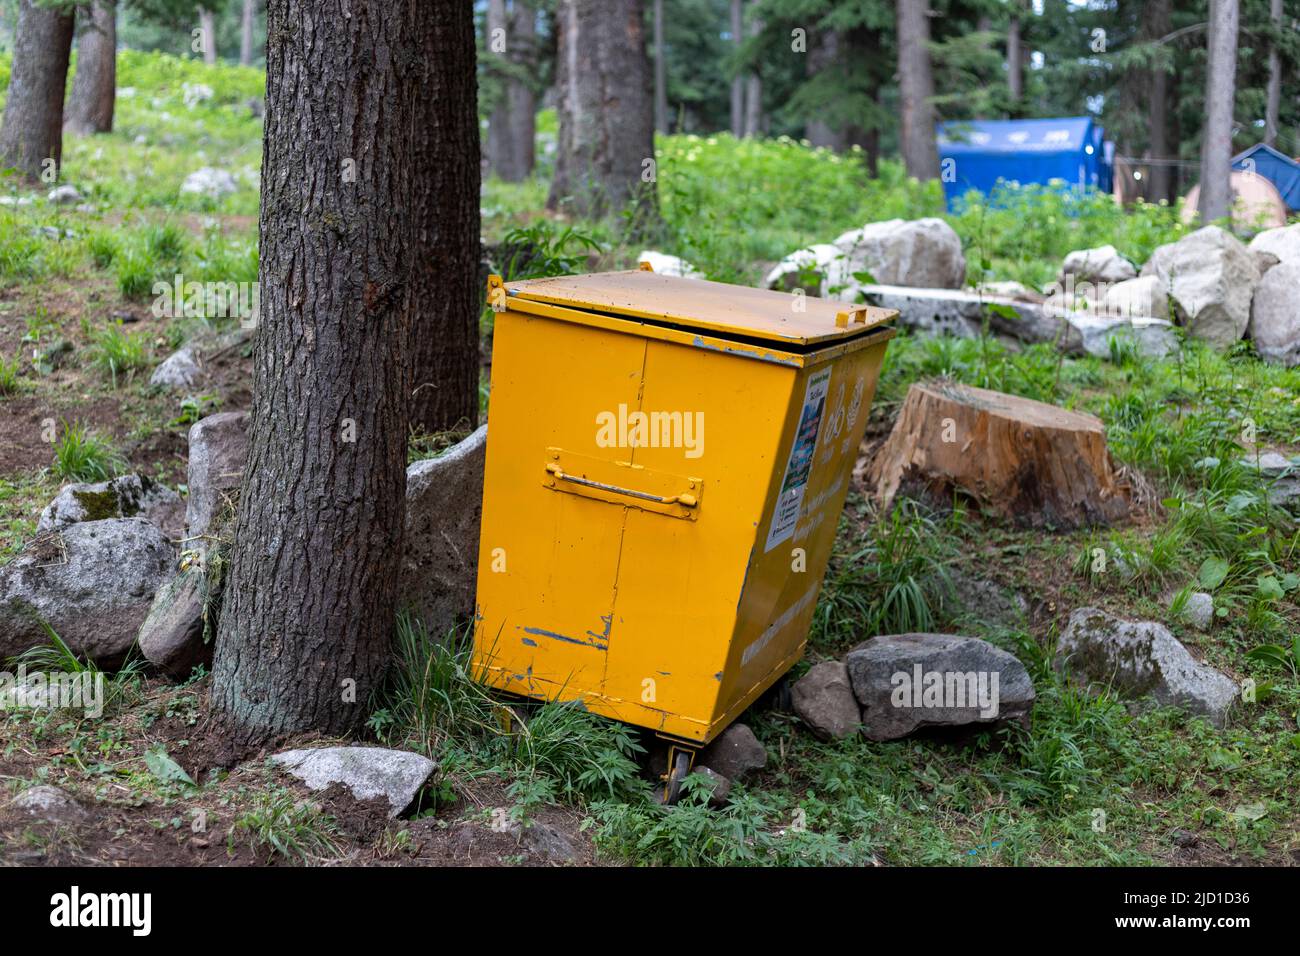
{"x":680,"y":761}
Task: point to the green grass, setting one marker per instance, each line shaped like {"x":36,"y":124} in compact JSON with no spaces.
{"x":117,"y":352}
{"x":82,"y":455}
{"x":10,"y":373}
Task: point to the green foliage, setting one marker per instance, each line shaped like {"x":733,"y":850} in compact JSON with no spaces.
{"x":116,"y":352}
{"x":10,"y":370}
{"x":281,"y":825}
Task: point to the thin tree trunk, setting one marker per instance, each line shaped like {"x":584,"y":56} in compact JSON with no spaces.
{"x":605,"y":156}
{"x":738,"y":81}
{"x":31,"y":134}
{"x":309,"y":608}
{"x":754,"y":93}
{"x":246,"y":32}
{"x":208,"y":24}
{"x":511,"y":127}
{"x":1274,"y":93}
{"x":1015,"y":63}
{"x":916,"y":91}
{"x":94,"y":85}
{"x":1156,"y":15}
{"x":1220,"y":85}
{"x":822,"y":52}
{"x":661,"y":71}
{"x":445,"y":289}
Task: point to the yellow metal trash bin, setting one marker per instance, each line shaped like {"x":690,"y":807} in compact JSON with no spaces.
{"x":667,"y":459}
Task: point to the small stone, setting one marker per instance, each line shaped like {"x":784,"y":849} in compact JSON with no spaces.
{"x":218,"y":453}
{"x":718,"y":786}
{"x":179,"y":370}
{"x":545,"y":841}
{"x":823,"y":699}
{"x":210,"y":182}
{"x":171,"y":636}
{"x":1198,"y":611}
{"x":735,"y":753}
{"x":64,"y":195}
{"x":367,"y":772}
{"x":666,"y":265}
{"x":50,"y":804}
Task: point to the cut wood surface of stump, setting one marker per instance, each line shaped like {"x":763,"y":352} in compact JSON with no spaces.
{"x":1033,"y":463}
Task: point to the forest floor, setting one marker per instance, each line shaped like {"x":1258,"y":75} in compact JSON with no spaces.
{"x":78,"y":339}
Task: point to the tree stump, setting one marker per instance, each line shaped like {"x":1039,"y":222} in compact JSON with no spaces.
{"x":1033,"y":463}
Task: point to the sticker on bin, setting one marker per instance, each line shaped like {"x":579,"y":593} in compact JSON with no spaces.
{"x":786,"y":513}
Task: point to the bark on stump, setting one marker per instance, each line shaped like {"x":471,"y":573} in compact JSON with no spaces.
{"x":1030,"y":462}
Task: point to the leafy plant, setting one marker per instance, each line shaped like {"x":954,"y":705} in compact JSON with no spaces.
{"x":81,"y":455}
{"x":118,"y":352}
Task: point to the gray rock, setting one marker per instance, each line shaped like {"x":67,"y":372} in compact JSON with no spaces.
{"x":218,"y":453}
{"x":718,"y":786}
{"x":734,"y":753}
{"x":444,"y":504}
{"x":1271,"y":464}
{"x":128,"y":496}
{"x":179,"y":370}
{"x":92,"y":582}
{"x":545,"y":841}
{"x":367,"y":772}
{"x":1103,"y":264}
{"x":1143,"y":297}
{"x":50,"y":804}
{"x":823,"y":699}
{"x":924,"y":253}
{"x":1198,"y":611}
{"x":1274,"y":315}
{"x":963,"y":314}
{"x":1279,"y":245}
{"x":1153,"y":338}
{"x":64,"y":195}
{"x":1210,"y":277}
{"x":210,"y":182}
{"x":1141,"y":660}
{"x":171,"y":636}
{"x":908,"y":681}
{"x":1285,"y":493}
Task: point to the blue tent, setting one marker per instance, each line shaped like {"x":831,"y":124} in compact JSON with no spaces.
{"x":976,"y":154}
{"x":1278,"y":168}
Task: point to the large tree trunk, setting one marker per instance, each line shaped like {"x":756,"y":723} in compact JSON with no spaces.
{"x":31,"y":134}
{"x":511,"y":127}
{"x":1161,"y":186}
{"x":309,"y":608}
{"x":445,"y":289}
{"x":1220,"y":86}
{"x":661,"y":71}
{"x":94,"y":85}
{"x":246,"y":32}
{"x":606,"y":148}
{"x":1030,"y":462}
{"x":738,"y":81}
{"x":916,"y":91}
{"x":1273,"y":96}
{"x":208,"y":26}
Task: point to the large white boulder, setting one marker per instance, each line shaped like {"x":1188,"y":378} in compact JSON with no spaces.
{"x":1275,"y":314}
{"x":1210,"y":277}
{"x":1102,"y":264}
{"x":923,"y":253}
{"x":804,"y":269}
{"x":1276,"y":245}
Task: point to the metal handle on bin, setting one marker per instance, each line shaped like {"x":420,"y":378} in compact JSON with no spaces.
{"x":859,"y":316}
{"x":685,"y":500}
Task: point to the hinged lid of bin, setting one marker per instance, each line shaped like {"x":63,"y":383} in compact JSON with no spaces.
{"x":695,"y":304}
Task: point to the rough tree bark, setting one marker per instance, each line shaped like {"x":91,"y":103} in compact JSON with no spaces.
{"x":94,"y":85}
{"x":208,"y":24}
{"x":661,"y":71}
{"x":309,"y":608}
{"x":246,"y":32}
{"x":445,"y":288}
{"x":512,"y":129}
{"x":1034,"y":464}
{"x":31,"y":133}
{"x":1273,"y":95}
{"x":738,"y":81}
{"x":916,"y":91}
{"x":1220,"y":87}
{"x":605,"y":155}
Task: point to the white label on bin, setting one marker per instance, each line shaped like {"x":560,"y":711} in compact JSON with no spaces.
{"x":797,"y":468}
